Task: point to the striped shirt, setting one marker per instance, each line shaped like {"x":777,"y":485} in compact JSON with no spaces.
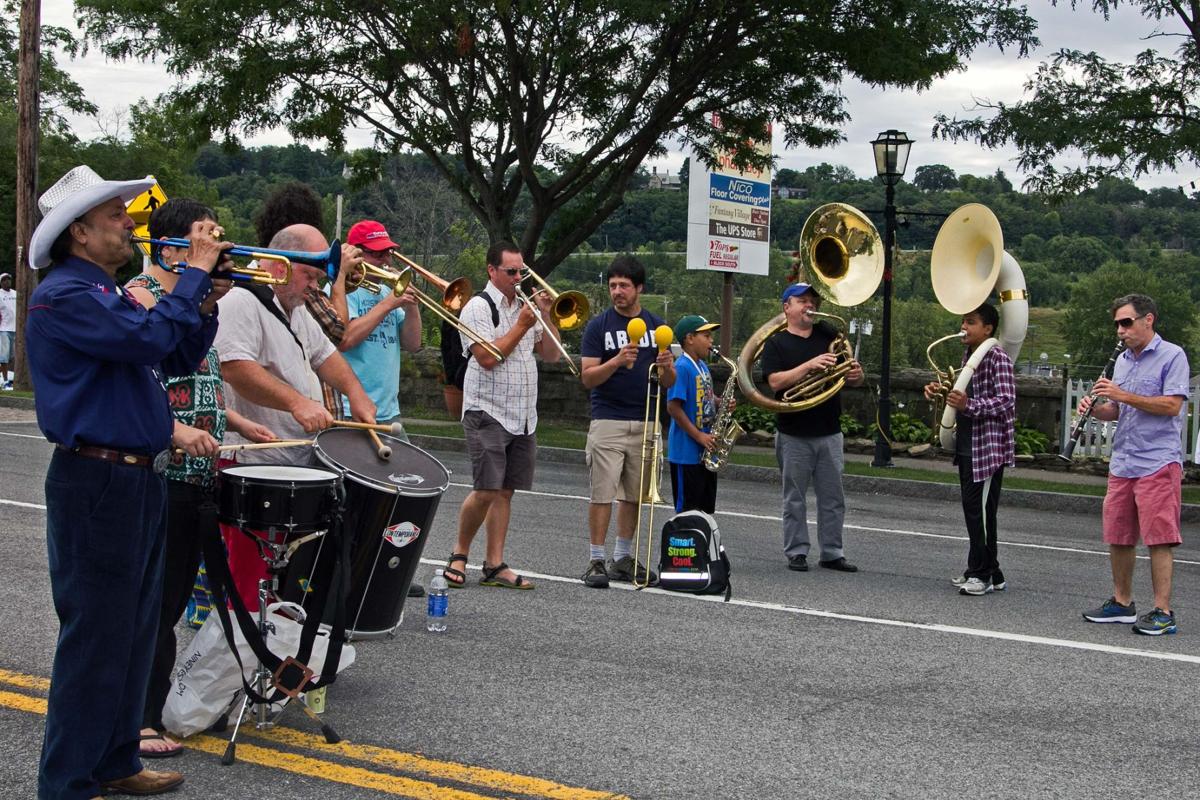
{"x":992,"y":409}
{"x":508,"y":391}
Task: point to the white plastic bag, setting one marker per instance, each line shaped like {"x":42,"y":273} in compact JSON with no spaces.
{"x":205,"y":678}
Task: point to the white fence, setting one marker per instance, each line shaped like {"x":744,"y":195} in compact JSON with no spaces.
{"x":1097,"y":436}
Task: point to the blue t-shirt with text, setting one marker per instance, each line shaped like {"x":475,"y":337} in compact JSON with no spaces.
{"x":623,"y":395}
{"x":694,"y":387}
{"x":376,"y":359}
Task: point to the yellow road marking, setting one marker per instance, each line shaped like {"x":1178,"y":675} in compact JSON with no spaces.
{"x":23,"y":702}
{"x":24,"y":681}
{"x":479,"y":777}
{"x":336,"y":773}
{"x":447,"y":770}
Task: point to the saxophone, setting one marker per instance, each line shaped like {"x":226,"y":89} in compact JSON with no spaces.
{"x":725,"y":429}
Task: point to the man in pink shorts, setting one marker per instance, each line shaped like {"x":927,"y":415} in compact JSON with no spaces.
{"x":1146,"y":396}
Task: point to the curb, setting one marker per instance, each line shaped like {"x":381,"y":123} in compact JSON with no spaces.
{"x":862,"y":484}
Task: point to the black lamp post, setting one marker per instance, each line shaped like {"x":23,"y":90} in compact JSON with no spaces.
{"x":891,"y":157}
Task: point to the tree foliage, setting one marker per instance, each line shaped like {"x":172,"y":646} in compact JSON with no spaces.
{"x":1126,"y":119}
{"x":558,"y":101}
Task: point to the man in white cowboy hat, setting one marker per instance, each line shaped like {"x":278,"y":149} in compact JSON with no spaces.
{"x":94,"y":359}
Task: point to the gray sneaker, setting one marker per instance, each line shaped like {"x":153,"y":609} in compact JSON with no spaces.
{"x":596,"y":576}
{"x":975,"y":587}
{"x":622,"y":570}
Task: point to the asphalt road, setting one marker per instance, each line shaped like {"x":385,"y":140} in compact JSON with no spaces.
{"x":885,"y":683}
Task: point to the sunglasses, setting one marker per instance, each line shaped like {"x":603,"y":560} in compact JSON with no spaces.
{"x":1127,"y":322}
{"x":512,"y":273}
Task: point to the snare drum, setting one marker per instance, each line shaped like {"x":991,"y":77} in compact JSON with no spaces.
{"x":389,"y":511}
{"x":264,"y":497}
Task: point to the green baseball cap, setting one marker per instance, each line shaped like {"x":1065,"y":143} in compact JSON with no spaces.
{"x":692,"y":323}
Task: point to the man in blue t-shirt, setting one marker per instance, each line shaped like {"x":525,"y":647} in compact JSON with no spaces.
{"x":617,"y":371}
{"x":379,"y":326}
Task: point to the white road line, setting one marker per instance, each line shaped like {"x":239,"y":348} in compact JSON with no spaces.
{"x":24,"y":436}
{"x":866,"y":528}
{"x":934,"y":627}
{"x":812,"y":612}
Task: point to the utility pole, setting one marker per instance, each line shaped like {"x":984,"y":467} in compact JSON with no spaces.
{"x":27,"y":180}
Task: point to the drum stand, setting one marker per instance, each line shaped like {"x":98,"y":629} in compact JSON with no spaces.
{"x":276,"y":556}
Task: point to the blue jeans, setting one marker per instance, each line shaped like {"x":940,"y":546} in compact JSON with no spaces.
{"x":105,"y":528}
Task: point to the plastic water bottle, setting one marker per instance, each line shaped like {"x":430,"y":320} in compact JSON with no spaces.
{"x":438,"y":602}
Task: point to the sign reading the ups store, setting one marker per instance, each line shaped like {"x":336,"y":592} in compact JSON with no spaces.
{"x":729,"y":215}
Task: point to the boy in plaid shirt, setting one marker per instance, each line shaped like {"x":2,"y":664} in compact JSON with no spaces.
{"x":984,"y":446}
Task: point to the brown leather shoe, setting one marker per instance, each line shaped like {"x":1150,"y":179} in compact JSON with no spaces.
{"x":146,"y":782}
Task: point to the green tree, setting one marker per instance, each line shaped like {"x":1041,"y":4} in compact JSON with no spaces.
{"x":1126,"y":119}
{"x":935,"y":178}
{"x":1088,"y":321}
{"x":559,"y":101}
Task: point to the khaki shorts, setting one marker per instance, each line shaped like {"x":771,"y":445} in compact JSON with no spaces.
{"x":614,"y":458}
{"x":499,"y":459}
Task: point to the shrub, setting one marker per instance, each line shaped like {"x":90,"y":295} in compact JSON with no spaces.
{"x":851,"y":426}
{"x":1031,"y":441}
{"x":906,"y":429}
{"x":753,"y":418}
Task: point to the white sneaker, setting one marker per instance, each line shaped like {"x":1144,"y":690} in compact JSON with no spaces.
{"x":958,"y":582}
{"x":975,"y":587}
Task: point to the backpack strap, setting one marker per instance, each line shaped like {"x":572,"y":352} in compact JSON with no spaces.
{"x":266,"y":296}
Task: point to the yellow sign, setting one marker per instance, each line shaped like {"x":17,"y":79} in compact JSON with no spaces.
{"x":141,"y":207}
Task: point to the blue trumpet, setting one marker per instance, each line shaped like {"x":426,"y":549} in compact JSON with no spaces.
{"x":329,"y":262}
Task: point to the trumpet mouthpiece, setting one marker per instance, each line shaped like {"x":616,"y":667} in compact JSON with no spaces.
{"x":636,"y":329}
{"x":663,"y":336}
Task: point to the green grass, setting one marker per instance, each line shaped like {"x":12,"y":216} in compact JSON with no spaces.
{"x":552,"y":434}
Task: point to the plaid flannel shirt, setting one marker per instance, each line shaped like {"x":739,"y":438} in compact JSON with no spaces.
{"x":992,"y":407}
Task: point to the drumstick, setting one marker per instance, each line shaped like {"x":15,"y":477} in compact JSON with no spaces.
{"x":395,"y":429}
{"x":382,"y":450}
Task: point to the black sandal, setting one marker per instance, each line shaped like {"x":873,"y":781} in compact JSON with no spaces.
{"x":489,"y":578}
{"x":448,"y":572}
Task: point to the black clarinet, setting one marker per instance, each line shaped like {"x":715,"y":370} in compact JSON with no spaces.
{"x":1081,"y":423}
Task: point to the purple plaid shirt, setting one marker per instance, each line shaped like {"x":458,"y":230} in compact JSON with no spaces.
{"x":992,"y":407}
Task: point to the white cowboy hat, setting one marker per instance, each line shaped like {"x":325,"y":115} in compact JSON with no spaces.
{"x":76,"y":193}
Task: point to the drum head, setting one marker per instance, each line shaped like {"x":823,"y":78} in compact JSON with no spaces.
{"x":410,"y":471}
{"x":271,"y":473}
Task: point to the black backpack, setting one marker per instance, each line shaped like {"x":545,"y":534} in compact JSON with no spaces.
{"x":692,"y":558}
{"x":454,"y":363}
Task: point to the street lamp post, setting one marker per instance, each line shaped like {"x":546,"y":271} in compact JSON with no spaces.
{"x":891,"y":158}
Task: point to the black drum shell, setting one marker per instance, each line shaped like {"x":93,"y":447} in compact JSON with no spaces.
{"x":263,"y":496}
{"x":389,"y":511}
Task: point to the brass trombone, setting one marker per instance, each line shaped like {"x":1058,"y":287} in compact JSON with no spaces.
{"x":569,"y":310}
{"x":524,"y":298}
{"x":329,"y":261}
{"x":397,"y":281}
{"x":455,"y":293}
{"x":652,"y":456}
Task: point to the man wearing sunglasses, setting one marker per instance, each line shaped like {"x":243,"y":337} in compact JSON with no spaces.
{"x":500,"y":411}
{"x":1146,"y":397}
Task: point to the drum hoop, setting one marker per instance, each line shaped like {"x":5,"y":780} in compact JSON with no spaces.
{"x":391,"y":488}
{"x":238,"y":473}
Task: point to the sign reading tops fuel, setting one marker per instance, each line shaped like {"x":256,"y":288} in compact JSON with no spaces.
{"x":729,"y":216}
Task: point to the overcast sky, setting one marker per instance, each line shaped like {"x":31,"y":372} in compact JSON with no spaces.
{"x":992,"y":75}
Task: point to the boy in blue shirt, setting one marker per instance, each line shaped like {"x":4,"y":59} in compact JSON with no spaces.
{"x":692,"y":403}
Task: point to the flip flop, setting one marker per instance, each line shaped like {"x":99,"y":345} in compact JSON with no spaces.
{"x":490,"y":578}
{"x":460,"y":577}
{"x":168,"y":753}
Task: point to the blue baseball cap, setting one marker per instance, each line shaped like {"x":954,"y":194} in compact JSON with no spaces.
{"x":795,"y":290}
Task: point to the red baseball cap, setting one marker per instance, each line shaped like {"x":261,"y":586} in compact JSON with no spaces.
{"x":370,"y":235}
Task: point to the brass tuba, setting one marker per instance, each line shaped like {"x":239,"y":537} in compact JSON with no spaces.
{"x":967,"y":264}
{"x":842,"y":253}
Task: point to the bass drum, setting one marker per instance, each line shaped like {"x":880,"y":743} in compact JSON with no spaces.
{"x":389,"y":510}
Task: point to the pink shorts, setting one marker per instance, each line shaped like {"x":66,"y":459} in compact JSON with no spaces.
{"x":1147,"y":506}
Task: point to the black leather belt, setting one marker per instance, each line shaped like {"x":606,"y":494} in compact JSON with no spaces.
{"x":157,"y":462}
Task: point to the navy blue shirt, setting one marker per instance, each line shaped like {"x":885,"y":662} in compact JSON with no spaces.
{"x":623,"y":395}
{"x":94,"y":353}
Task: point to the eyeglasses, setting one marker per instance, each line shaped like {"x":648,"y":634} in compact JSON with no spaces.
{"x":1127,"y":322}
{"x":512,"y":273}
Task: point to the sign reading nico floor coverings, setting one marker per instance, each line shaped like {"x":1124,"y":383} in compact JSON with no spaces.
{"x":729,"y":216}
